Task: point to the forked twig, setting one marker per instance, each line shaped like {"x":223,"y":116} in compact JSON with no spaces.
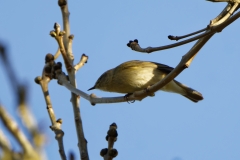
{"x":82,"y":61}
{"x":56,"y":124}
{"x":222,"y":17}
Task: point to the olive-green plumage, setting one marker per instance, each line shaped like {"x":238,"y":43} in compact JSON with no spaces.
{"x":136,"y":75}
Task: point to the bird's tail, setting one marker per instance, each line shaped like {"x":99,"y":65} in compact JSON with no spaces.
{"x":190,"y":93}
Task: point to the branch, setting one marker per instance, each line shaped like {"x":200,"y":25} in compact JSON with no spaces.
{"x":69,"y":48}
{"x":212,"y":22}
{"x":136,"y":47}
{"x":4,"y":142}
{"x":222,"y":17}
{"x":56,"y":124}
{"x":28,"y":119}
{"x":82,"y":61}
{"x":57,"y":54}
{"x":5,"y":147}
{"x":187,"y":35}
{"x":58,"y":35}
{"x":227,"y":15}
{"x":110,"y":153}
{"x":82,"y":143}
{"x":92,"y":98}
{"x":222,"y":14}
{"x":25,"y":115}
{"x":7,"y":151}
{"x":63,"y":4}
{"x":13,"y":128}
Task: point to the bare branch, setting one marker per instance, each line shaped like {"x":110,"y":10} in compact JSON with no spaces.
{"x":12,"y":126}
{"x":227,"y":15}
{"x":57,"y":54}
{"x":56,"y":124}
{"x":43,"y":81}
{"x":110,"y":153}
{"x":58,"y":35}
{"x":28,"y":119}
{"x":92,"y":98}
{"x":222,"y":14}
{"x":136,"y":47}
{"x":212,"y":22}
{"x":222,"y":17}
{"x":4,"y":142}
{"x":69,"y":48}
{"x":7,"y":151}
{"x":82,"y":143}
{"x":82,"y":61}
{"x":187,"y":35}
{"x":5,"y":147}
{"x":8,"y":68}
{"x":63,"y":4}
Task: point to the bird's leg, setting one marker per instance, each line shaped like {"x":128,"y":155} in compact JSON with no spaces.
{"x":151,"y":94}
{"x":126,"y":97}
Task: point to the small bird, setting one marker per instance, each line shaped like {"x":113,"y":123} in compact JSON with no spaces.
{"x":137,"y":75}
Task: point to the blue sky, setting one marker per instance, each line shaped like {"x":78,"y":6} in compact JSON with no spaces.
{"x":167,"y":126}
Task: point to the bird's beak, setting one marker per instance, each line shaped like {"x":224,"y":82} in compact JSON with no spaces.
{"x":91,"y":88}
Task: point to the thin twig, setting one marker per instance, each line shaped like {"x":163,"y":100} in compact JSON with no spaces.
{"x":28,"y":119}
{"x":227,"y":15}
{"x":69,"y":48}
{"x":63,"y":4}
{"x":92,"y":98}
{"x":58,"y":35}
{"x":20,"y":91}
{"x":222,"y":14}
{"x":187,"y":35}
{"x":57,"y":54}
{"x":8,"y":68}
{"x":5,"y":147}
{"x":82,"y":61}
{"x":56,"y":124}
{"x":82,"y":143}
{"x":13,"y":128}
{"x":136,"y":47}
{"x":24,"y":113}
{"x":110,"y":153}
{"x":4,"y":142}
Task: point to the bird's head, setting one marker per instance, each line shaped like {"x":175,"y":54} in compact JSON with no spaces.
{"x":103,"y":82}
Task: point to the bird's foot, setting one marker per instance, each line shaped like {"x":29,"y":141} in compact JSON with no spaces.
{"x":126,"y":98}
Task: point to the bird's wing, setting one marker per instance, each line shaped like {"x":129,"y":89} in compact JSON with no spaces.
{"x":163,"y":67}
{"x":136,"y":63}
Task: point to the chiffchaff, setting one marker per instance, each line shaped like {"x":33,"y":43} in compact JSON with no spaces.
{"x":136,"y":75}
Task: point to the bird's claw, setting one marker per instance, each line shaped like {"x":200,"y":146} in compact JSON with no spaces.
{"x":126,"y":98}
